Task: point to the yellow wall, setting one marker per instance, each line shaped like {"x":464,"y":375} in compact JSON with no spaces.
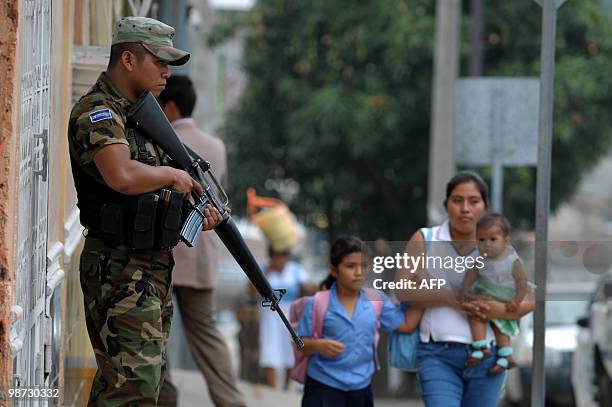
{"x":76,"y":362}
{"x":76,"y":358}
{"x":86,"y":23}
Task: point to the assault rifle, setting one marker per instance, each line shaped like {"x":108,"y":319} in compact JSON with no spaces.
{"x":147,"y":117}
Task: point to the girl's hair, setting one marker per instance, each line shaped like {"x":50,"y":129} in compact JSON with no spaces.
{"x":342,"y":247}
{"x":468,"y":176}
{"x":492,"y":219}
{"x":327,"y":283}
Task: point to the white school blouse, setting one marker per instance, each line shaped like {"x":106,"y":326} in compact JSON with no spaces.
{"x":446,"y":324}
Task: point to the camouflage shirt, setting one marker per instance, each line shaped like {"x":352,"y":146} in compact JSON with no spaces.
{"x":99,"y":119}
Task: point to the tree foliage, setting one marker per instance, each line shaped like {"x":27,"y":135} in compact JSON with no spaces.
{"x":338,"y":103}
{"x":336,"y":99}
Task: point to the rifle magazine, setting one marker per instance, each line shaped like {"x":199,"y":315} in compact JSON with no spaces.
{"x":192,"y":228}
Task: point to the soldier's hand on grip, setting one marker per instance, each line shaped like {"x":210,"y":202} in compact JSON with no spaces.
{"x":184,"y":183}
{"x":212,"y":217}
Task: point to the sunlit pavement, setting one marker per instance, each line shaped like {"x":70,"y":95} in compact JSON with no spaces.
{"x":193,"y":393}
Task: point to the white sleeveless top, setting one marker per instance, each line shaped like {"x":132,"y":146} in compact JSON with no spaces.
{"x":446,"y":324}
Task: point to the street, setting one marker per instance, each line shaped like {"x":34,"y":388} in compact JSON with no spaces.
{"x":193,"y":393}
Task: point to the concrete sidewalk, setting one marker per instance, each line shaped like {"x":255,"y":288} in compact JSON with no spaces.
{"x":193,"y":392}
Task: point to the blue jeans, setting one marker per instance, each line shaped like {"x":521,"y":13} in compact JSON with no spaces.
{"x":446,"y":382}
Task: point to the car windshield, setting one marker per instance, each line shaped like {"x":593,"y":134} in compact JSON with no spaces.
{"x":565,"y":312}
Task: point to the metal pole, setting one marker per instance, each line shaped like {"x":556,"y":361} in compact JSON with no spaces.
{"x":446,"y":69}
{"x":497,"y":163}
{"x":174,"y":13}
{"x":497,"y":184}
{"x":547,"y":79}
{"x":476,"y":28}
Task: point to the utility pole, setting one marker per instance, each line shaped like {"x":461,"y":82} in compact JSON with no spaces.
{"x":475,"y":69}
{"x":446,"y":70}
{"x":476,"y":37}
{"x":175,"y":13}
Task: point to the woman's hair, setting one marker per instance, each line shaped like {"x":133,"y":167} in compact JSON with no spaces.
{"x":341,"y":247}
{"x":492,"y":219}
{"x":468,"y":176}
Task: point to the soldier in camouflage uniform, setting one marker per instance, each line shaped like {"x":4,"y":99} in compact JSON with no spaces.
{"x":127,"y":292}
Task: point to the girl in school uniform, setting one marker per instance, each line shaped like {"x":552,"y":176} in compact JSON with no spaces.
{"x":342,"y":360}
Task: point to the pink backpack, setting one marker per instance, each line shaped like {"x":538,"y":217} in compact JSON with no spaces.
{"x":319,"y":308}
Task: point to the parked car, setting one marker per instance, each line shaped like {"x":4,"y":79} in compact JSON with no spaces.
{"x":594,"y":365}
{"x":564,"y":305}
{"x":583,"y":368}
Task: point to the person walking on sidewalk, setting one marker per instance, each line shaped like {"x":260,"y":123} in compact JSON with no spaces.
{"x":195,"y":271}
{"x":444,"y":330}
{"x":342,"y":358}
{"x":275,"y":351}
{"x":125,"y":269}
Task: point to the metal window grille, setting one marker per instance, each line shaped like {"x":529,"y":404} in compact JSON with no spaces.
{"x":27,"y":331}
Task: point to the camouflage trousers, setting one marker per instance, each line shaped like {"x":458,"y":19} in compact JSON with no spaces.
{"x":128,"y":308}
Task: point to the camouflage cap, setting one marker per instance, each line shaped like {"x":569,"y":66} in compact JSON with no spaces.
{"x":155,"y":37}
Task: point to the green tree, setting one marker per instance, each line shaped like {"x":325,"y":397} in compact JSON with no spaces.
{"x":338,"y":101}
{"x":336,"y":97}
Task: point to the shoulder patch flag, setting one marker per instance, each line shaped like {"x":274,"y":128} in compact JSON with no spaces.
{"x":99,"y":115}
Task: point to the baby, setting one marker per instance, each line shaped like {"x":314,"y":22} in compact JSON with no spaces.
{"x":502,"y":278}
